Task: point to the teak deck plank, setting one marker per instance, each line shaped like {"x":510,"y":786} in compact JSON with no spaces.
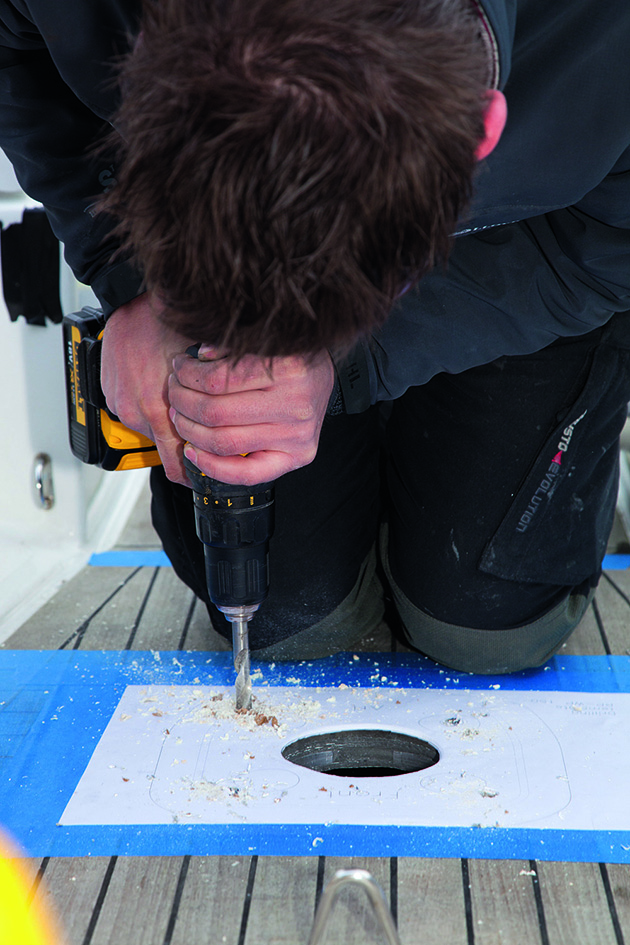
{"x":211,"y":904}
{"x":613,"y":607}
{"x":72,"y":885}
{"x":77,"y":601}
{"x":114,"y":626}
{"x":138,"y":901}
{"x":163,"y":618}
{"x":200,"y":635}
{"x":575,"y":904}
{"x":503,"y":901}
{"x":282,"y":901}
{"x":242,"y":900}
{"x":586,"y":639}
{"x":617,"y":883}
{"x":431,"y":902}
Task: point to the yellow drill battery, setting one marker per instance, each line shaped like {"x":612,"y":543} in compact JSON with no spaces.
{"x":97,"y":437}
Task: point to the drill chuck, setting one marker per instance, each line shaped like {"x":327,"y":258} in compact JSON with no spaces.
{"x":235,"y":524}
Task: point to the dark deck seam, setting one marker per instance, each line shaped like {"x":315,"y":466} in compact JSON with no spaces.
{"x":38,"y":878}
{"x":141,"y":610}
{"x":540,"y":907}
{"x":611,"y":904}
{"x":81,"y":630}
{"x":177,"y":898}
{"x":187,"y":622}
{"x":98,"y":905}
{"x":470,"y":928}
{"x":248,"y":900}
{"x":393,"y":888}
{"x":600,"y":626}
{"x":319,"y":884}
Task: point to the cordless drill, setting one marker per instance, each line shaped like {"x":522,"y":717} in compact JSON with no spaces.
{"x":234,"y":523}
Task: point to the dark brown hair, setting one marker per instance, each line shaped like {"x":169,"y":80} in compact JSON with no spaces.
{"x":287,"y":166}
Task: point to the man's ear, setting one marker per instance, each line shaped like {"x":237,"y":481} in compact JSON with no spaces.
{"x":494,"y":122}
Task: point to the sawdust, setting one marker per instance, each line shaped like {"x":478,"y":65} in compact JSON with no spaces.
{"x":204,"y":706}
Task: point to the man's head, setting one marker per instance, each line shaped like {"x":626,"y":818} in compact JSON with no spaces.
{"x":289,"y":166}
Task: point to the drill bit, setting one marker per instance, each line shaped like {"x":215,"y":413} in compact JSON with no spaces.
{"x":239,"y":618}
{"x":240,"y":647}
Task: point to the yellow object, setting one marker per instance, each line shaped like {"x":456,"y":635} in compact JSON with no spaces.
{"x":139,"y":461}
{"x":77,"y":396}
{"x":121,"y":437}
{"x":22,"y":921}
{"x":142,"y":450}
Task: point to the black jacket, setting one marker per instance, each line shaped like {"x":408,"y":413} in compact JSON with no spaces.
{"x":545,"y":253}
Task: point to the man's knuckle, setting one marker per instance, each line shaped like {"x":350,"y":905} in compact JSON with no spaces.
{"x":210,"y":414}
{"x":302,"y":434}
{"x":304,"y":411}
{"x":303,"y":457}
{"x":226,"y":445}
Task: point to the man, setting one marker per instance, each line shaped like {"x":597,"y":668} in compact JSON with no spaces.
{"x":285,"y":178}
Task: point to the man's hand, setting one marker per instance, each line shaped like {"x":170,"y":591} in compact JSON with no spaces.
{"x":136,"y":360}
{"x":271,"y":412}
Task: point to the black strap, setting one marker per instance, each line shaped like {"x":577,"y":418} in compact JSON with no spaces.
{"x":30,"y":269}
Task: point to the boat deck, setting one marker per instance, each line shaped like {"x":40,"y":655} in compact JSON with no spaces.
{"x":251,"y":900}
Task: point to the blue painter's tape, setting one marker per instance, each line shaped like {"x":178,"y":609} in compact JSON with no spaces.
{"x":580,"y":846}
{"x":616,"y":562}
{"x":83,"y":668}
{"x":55,"y":705}
{"x":122,"y":558}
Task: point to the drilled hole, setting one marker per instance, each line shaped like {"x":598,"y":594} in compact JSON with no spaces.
{"x":362,"y":753}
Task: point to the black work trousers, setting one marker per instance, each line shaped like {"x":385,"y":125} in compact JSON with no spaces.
{"x":493,"y":492}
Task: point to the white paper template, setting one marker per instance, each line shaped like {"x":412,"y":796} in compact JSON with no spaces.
{"x":180,"y":754}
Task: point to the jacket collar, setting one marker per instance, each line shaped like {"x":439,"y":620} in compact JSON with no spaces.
{"x":497,"y":19}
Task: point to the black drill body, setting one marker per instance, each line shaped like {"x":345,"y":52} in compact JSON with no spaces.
{"x":235,"y":524}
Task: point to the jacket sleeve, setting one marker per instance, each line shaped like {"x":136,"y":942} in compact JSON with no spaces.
{"x":49,"y":134}
{"x":508,"y":290}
